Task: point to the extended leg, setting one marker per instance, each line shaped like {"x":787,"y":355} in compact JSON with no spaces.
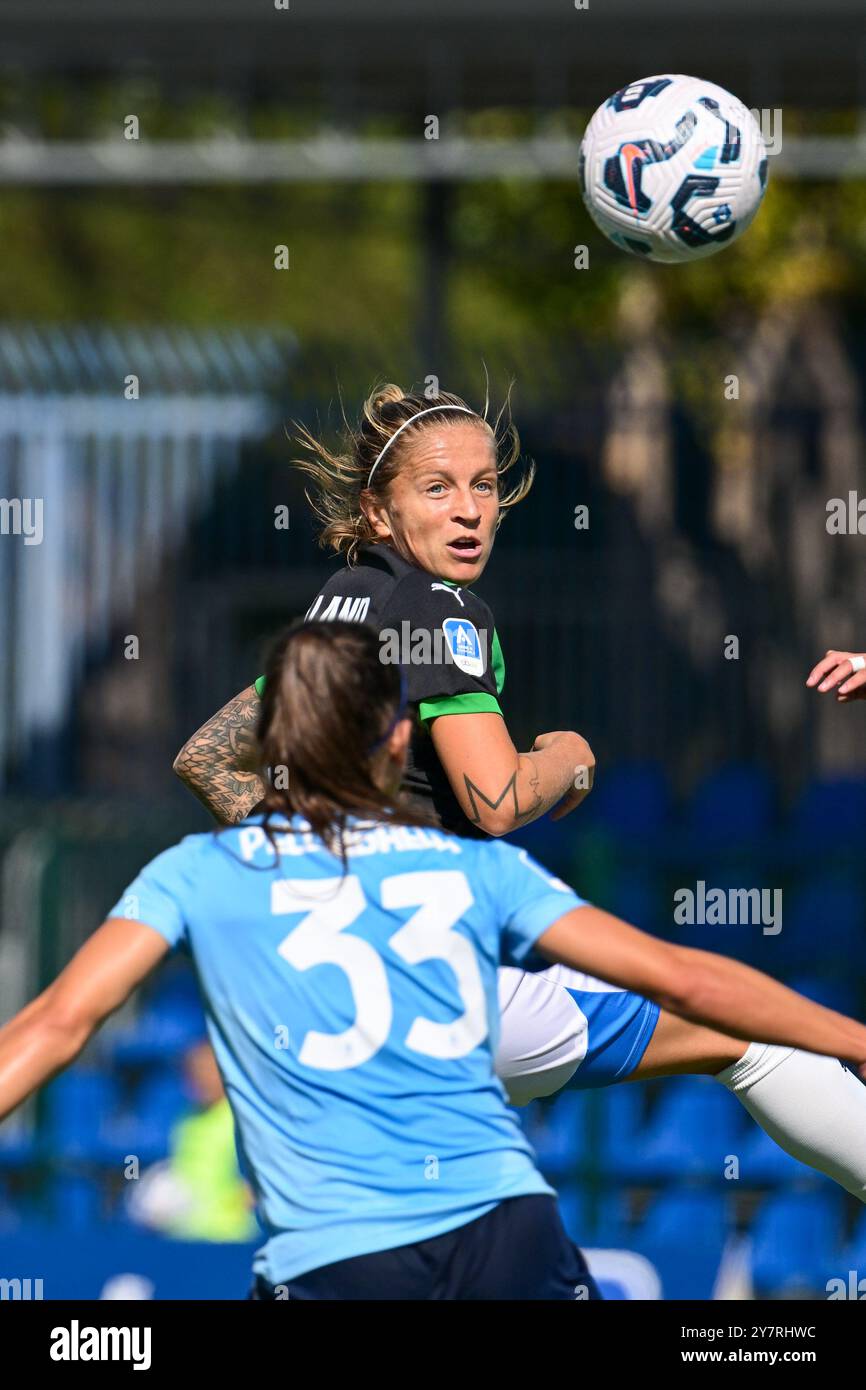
{"x":811,"y":1106}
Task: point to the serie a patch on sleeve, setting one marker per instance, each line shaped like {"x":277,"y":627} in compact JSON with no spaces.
{"x":465,"y":645}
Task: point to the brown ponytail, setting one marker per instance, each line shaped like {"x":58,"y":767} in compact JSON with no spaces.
{"x":328,"y":699}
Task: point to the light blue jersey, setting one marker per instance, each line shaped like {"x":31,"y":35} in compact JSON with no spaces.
{"x":354,"y":1022}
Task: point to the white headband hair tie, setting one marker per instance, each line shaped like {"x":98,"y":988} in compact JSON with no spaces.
{"x":429,"y":411}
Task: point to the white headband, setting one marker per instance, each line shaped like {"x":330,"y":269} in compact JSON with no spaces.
{"x":412,"y":418}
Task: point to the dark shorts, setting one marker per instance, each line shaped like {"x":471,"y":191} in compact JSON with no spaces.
{"x":519,"y":1250}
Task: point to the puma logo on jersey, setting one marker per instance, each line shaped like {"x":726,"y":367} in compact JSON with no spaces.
{"x":346,"y":610}
{"x":448,"y":589}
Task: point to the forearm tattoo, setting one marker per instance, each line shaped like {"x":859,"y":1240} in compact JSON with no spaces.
{"x":216,"y":763}
{"x":508,"y":793}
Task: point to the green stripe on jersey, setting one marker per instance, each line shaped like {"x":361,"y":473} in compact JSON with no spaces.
{"x":497,"y":661}
{"x":472,"y":702}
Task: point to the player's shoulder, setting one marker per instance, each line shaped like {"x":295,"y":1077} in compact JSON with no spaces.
{"x":175,"y":876}
{"x":455,"y":626}
{"x":183,"y":858}
{"x":358,"y":592}
{"x":427,"y":601}
{"x":191,"y":862}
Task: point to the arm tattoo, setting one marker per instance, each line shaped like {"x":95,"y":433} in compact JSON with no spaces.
{"x":217,"y":763}
{"x":510,"y":787}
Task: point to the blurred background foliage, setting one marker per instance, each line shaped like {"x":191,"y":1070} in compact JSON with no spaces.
{"x":204,"y":255}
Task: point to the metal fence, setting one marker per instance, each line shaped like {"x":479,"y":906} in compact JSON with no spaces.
{"x":98,"y":488}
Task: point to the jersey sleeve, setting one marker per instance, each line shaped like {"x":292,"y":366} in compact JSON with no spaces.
{"x":447,"y":644}
{"x":159,"y":893}
{"x":526,"y":899}
{"x":450,"y":650}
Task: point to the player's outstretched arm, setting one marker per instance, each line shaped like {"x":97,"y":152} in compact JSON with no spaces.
{"x":50,"y":1031}
{"x":500,"y":789}
{"x":844,"y":672}
{"x":218,"y":762}
{"x":712,"y":990}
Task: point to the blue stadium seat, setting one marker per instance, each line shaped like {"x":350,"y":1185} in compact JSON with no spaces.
{"x":10,"y":1216}
{"x":688,"y":1213}
{"x":839,"y":994}
{"x":830,"y":814}
{"x":763,"y":1163}
{"x":558,"y":1133}
{"x":573,"y":1209}
{"x":634,"y":896}
{"x":161,"y":1033}
{"x":631,"y":800}
{"x":78,"y":1200}
{"x":176,"y":984}
{"x":696,"y":1125}
{"x":732,"y":805}
{"x":143,"y":1128}
{"x":793,"y":1237}
{"x":858,"y":1238}
{"x":613,"y":1227}
{"x":126,"y":1135}
{"x":162,"y":1099}
{"x":742,"y":939}
{"x":849,"y":1265}
{"x":78,"y":1104}
{"x":684,"y":1235}
{"x":89,"y":1124}
{"x":620,"y":1122}
{"x":550,"y":842}
{"x":823,"y":922}
{"x":18,"y":1148}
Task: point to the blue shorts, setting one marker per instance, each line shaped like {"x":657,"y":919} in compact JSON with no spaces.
{"x":518,"y":1250}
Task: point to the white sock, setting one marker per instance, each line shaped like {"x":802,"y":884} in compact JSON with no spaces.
{"x":812,"y":1106}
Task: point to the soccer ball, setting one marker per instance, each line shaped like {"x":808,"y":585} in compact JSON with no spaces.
{"x":673,"y":168}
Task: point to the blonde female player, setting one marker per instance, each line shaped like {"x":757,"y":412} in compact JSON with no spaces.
{"x":413,"y":503}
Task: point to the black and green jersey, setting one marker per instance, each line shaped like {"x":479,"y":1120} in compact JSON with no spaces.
{"x":444,"y":638}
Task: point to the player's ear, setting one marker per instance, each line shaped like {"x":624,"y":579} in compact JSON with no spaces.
{"x":393,"y":757}
{"x":398,"y":743}
{"x":377,"y":515}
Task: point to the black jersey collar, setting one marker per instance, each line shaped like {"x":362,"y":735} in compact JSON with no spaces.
{"x":382,"y":555}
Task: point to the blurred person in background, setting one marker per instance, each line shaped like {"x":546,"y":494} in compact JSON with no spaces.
{"x":197,"y":1192}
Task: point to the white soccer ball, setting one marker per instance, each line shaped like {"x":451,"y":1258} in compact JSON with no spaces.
{"x":673,"y":168}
